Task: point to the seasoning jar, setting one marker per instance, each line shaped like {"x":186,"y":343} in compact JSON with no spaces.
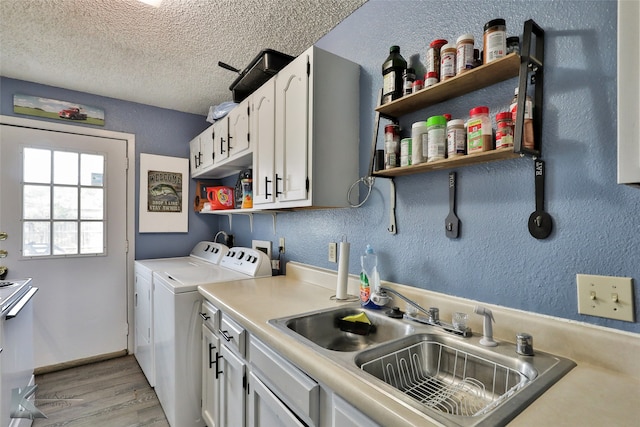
{"x":447,"y":61}
{"x":527,"y":127}
{"x":447,"y":116}
{"x":479,"y":132}
{"x":495,"y":40}
{"x":456,"y":138}
{"x":430,"y":78}
{"x":417,"y":85}
{"x":392,"y":70}
{"x":437,"y":139}
{"x":477,"y":61}
{"x":406,"y":146}
{"x":391,"y":146}
{"x":513,"y":45}
{"x":419,"y":137}
{"x":464,"y":53}
{"x":408,"y":77}
{"x":504,"y":130}
{"x":433,"y":57}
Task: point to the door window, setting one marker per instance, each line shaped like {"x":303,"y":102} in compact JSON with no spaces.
{"x":63,"y":203}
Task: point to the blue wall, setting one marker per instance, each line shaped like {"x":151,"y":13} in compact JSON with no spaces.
{"x":596,"y":221}
{"x":157,"y":130}
{"x":495,"y":260}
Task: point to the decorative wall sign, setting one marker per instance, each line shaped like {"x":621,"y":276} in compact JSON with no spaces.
{"x":58,"y":110}
{"x":164,"y":185}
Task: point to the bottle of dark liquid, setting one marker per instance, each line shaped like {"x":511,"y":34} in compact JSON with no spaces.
{"x":392,"y":70}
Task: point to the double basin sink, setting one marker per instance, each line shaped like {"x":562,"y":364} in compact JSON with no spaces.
{"x":454,"y":380}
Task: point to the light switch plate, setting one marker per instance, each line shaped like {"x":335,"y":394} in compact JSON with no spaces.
{"x":333,"y":252}
{"x":606,"y":296}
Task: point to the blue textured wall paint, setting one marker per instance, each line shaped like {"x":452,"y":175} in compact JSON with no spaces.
{"x":495,"y":260}
{"x":157,"y":130}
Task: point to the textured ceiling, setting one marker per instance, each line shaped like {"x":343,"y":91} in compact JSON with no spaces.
{"x":167,"y":56}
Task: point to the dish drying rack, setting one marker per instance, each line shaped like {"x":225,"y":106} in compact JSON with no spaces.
{"x":446,"y":379}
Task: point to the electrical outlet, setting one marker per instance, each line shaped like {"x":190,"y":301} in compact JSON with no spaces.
{"x":281,"y":245}
{"x":605,"y":296}
{"x":333,"y":252}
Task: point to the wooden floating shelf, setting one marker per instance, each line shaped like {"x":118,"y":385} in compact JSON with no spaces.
{"x":455,"y":162}
{"x":470,"y":81}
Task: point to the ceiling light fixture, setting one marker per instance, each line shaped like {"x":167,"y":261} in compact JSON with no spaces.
{"x":154,"y":3}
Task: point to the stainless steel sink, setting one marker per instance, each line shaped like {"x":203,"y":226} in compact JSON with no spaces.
{"x":451,"y":379}
{"x":323,"y":328}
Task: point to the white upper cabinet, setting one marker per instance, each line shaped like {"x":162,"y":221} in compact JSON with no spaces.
{"x":316,"y":133}
{"x":201,"y":151}
{"x":299,"y":133}
{"x":263,"y":137}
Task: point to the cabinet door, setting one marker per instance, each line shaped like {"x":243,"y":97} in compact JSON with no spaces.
{"x":232,"y":396}
{"x":239,"y":128}
{"x":221,"y":140}
{"x":346,"y":415}
{"x":210,"y":381}
{"x":143,"y":342}
{"x":195,"y":155}
{"x":263,"y":134}
{"x":206,"y":147}
{"x":265,"y":409}
{"x":292,"y":124}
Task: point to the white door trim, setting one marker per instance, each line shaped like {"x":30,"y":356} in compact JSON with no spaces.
{"x":131,"y":194}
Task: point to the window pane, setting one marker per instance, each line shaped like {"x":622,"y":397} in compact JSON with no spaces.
{"x":65,"y":202}
{"x":65,"y":168}
{"x":35,"y":238}
{"x":65,"y":238}
{"x":92,"y":237}
{"x":37,"y":165}
{"x":37,"y":202}
{"x":91,"y":203}
{"x":92,"y":169}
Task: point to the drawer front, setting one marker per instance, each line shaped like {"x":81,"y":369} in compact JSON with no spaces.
{"x":289,"y":383}
{"x":210,"y":316}
{"x":232,"y":334}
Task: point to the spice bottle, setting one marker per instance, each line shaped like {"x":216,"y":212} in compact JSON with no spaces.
{"x":419,"y":137}
{"x":437,"y":138}
{"x":456,"y":138}
{"x":504,"y":130}
{"x":464,"y":53}
{"x":391,"y":146}
{"x":479,"y":132}
{"x":409,"y":76}
{"x":392,"y":70}
{"x":495,"y":40}
{"x":527,"y":129}
{"x":430,"y":78}
{"x":433,"y":57}
{"x":447,"y":61}
{"x":417,"y":85}
{"x":513,"y":45}
{"x":406,"y":149}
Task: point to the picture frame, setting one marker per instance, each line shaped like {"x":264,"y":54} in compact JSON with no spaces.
{"x":164,"y":192}
{"x":47,"y":108}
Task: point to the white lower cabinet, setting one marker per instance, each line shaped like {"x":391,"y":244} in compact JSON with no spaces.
{"x":143,"y":314}
{"x":265,"y":390}
{"x":346,"y":415}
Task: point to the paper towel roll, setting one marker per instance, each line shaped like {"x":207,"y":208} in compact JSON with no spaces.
{"x":343,"y":270}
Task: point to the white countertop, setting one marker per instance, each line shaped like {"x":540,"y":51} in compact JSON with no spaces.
{"x":602,"y":390}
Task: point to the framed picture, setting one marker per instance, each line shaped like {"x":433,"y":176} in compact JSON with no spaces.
{"x":164,"y":192}
{"x":56,"y":109}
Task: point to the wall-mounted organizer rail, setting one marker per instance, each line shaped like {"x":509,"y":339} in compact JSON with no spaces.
{"x":528,"y":66}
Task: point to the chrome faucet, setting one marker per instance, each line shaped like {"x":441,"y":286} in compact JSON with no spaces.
{"x":381,"y":298}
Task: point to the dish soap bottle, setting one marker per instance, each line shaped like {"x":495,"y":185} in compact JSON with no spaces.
{"x":368,"y":277}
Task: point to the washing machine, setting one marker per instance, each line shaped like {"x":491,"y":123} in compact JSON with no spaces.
{"x":203,"y":254}
{"x":178,"y":325}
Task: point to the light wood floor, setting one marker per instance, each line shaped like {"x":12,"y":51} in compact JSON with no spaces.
{"x":109,"y":393}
